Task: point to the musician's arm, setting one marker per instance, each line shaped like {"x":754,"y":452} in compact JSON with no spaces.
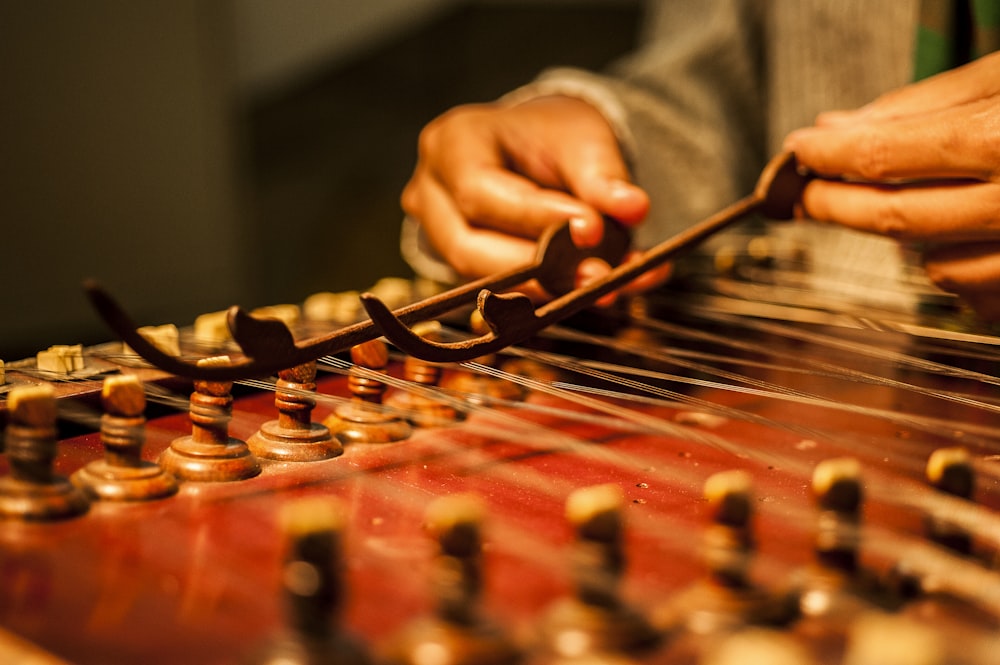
{"x":921,"y":164}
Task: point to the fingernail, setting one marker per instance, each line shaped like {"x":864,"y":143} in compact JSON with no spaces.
{"x":621,"y":189}
{"x":580,"y":231}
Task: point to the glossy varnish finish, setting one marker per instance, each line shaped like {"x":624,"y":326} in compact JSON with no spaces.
{"x":195,"y":578}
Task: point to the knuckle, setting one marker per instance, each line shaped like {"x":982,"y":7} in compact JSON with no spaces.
{"x":439,"y":131}
{"x":468,"y":197}
{"x":486,"y":203}
{"x":427,"y":140}
{"x":460,"y":256}
{"x":891,"y":219}
{"x":873,"y":156}
{"x":409,"y":198}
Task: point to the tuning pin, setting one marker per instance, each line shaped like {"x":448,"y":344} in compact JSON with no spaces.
{"x":837,"y":574}
{"x":365,"y":419}
{"x":325,"y":309}
{"x":592,"y":658}
{"x":480,"y":388}
{"x":209,"y":453}
{"x":726,"y":599}
{"x":950,"y":471}
{"x":313,"y":589}
{"x":596,"y":620}
{"x":122,"y":475}
{"x":758,"y":646}
{"x":929,"y":591}
{"x":882,"y":639}
{"x":456,"y":633}
{"x":835,"y":588}
{"x":729,"y":541}
{"x":32,"y":491}
{"x":838,"y":491}
{"x":294,"y":437}
{"x":424,"y":407}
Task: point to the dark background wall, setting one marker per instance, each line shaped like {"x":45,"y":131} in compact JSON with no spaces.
{"x":133,"y":152}
{"x":117,"y":154}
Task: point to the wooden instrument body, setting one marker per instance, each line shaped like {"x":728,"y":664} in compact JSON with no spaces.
{"x":195,"y":578}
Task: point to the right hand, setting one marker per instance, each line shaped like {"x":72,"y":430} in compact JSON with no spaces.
{"x":491,"y":177}
{"x":920,"y":164}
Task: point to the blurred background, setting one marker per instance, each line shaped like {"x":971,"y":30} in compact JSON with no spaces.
{"x":194,"y":154}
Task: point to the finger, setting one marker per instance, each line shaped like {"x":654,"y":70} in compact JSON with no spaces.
{"x":970,"y":270}
{"x":598,"y":176}
{"x":593,"y":269}
{"x":648,"y":280}
{"x":472,"y":252}
{"x":580,"y":154}
{"x":952,"y":88}
{"x":459,"y":153}
{"x":958,"y":142}
{"x":488,"y":194}
{"x":940,"y":212}
{"x":498,"y":199}
{"x":964,"y":267}
{"x":533,"y":290}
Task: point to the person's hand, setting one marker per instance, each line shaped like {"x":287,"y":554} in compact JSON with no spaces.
{"x":490,"y":178}
{"x":920,"y":164}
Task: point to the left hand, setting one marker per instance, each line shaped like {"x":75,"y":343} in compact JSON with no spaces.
{"x":920,"y":164}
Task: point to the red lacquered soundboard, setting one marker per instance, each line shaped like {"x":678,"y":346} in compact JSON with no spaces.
{"x":197,"y":577}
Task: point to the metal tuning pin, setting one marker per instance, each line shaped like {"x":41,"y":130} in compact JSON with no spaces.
{"x":32,"y":491}
{"x":312,"y":582}
{"x":123,"y":475}
{"x":884,"y":639}
{"x":930,"y":590}
{"x":456,"y":633}
{"x":364,"y":419}
{"x":835,"y":589}
{"x":726,"y":599}
{"x":596,"y":623}
{"x":294,"y":437}
{"x":423,"y":405}
{"x":758,"y":646}
{"x":209,"y":453}
{"x":950,"y":471}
